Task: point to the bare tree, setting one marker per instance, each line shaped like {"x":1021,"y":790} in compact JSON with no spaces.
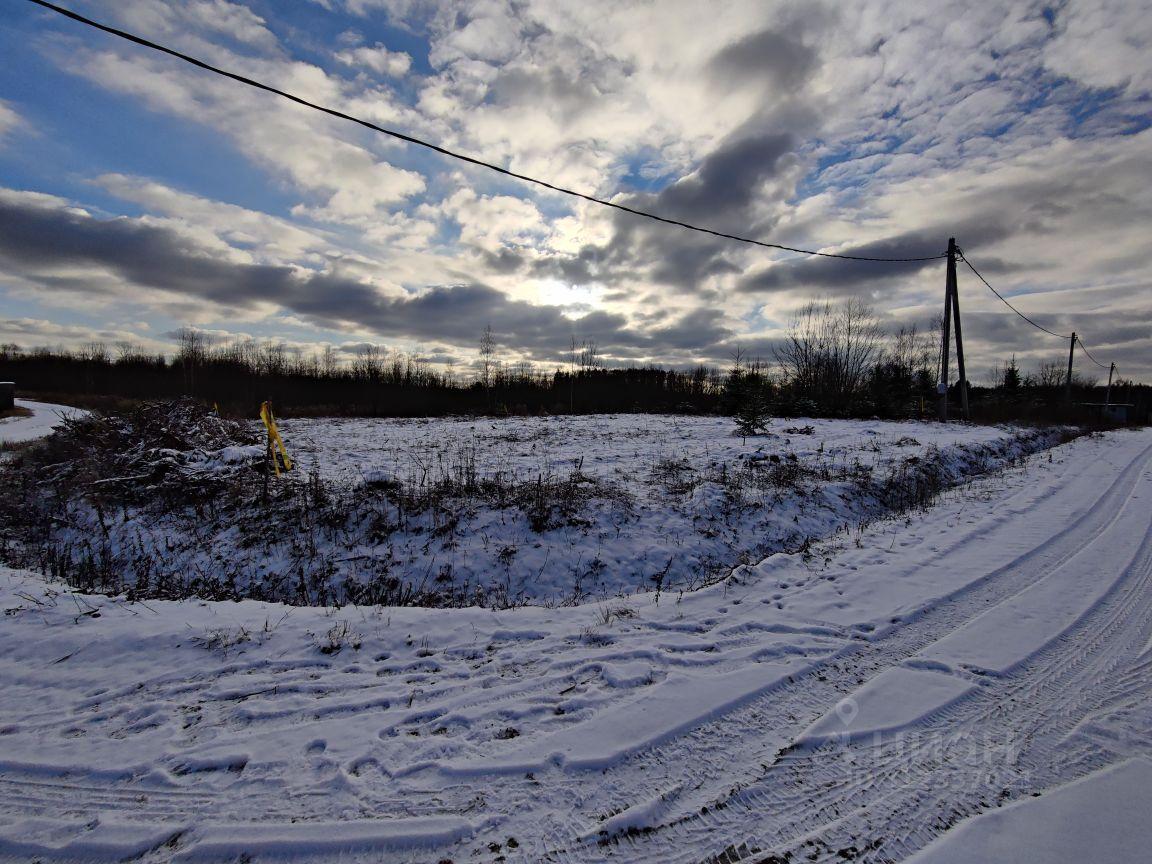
{"x":487,"y":357}
{"x":1051,"y":374}
{"x":192,"y":354}
{"x":911,"y":351}
{"x":273,"y":358}
{"x":127,"y":352}
{"x":369,"y":363}
{"x":589,"y":357}
{"x":329,"y":362}
{"x":830,"y":349}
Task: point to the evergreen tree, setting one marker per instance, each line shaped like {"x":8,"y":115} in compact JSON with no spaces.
{"x":1012,"y":376}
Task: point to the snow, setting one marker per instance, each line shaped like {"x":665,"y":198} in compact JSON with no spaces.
{"x":1021,"y":626}
{"x":45,"y":417}
{"x":547,"y":510}
{"x":47,"y":839}
{"x":895,"y":700}
{"x":678,"y":703}
{"x":680,"y":723}
{"x":229,"y":841}
{"x":99,"y":840}
{"x":1102,"y":817}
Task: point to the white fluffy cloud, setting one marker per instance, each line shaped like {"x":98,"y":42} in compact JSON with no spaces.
{"x":1104,"y":44}
{"x":378,"y":59}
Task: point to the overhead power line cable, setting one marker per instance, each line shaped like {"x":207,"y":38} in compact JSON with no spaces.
{"x":1009,"y":305}
{"x":1088,"y":354}
{"x":1079,"y":341}
{"x":461,"y":156}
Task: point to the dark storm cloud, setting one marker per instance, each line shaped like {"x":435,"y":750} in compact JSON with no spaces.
{"x":36,"y":236}
{"x":728,"y":179}
{"x":767,"y":55}
{"x":700,"y":329}
{"x":502,"y":262}
{"x":726,"y":189}
{"x":33,"y":238}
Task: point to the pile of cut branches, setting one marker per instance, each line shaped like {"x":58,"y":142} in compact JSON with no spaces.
{"x":136,"y":455}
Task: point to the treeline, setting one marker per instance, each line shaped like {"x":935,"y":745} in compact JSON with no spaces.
{"x":238,"y":377}
{"x":835,"y":360}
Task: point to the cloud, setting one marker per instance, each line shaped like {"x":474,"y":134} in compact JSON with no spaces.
{"x":377,"y":58}
{"x":233,"y":21}
{"x":340,"y":169}
{"x":818,"y":274}
{"x":10,"y":121}
{"x":39,"y":332}
{"x":226,"y":227}
{"x":726,"y":191}
{"x":728,"y":179}
{"x":1103,"y":44}
{"x":42,"y":238}
{"x":766,"y":57}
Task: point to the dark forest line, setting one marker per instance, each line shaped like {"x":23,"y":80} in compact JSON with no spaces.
{"x":406,"y":389}
{"x":836,"y":360}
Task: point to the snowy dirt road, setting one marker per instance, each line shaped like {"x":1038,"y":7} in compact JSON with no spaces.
{"x":42,"y":419}
{"x":850,"y":704}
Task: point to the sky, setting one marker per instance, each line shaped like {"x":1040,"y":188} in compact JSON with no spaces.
{"x":140,"y":195}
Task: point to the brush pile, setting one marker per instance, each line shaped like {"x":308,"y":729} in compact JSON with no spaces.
{"x":148,"y":450}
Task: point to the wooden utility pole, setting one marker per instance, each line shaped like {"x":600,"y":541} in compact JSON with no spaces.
{"x":951,"y":309}
{"x":963,"y":380}
{"x":1068,"y":381}
{"x":1108,"y":392}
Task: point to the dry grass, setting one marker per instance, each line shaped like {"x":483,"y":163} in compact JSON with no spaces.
{"x":123,"y":503}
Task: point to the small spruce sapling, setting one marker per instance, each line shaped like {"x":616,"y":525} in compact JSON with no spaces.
{"x":752,"y":415}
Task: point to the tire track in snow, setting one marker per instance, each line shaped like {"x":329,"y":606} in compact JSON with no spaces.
{"x":804,"y":807}
{"x":715,"y":760}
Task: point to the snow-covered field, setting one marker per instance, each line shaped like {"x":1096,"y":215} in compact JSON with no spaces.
{"x":452,"y":512}
{"x":854,"y":703}
{"x":667,"y":502}
{"x":45,"y":417}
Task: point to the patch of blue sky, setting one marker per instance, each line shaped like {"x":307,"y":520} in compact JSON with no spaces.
{"x":1105,"y":111}
{"x":822,"y":178}
{"x":316,"y":34}
{"x":1088,"y":111}
{"x":17,"y":306}
{"x":79,"y":131}
{"x":1040,"y":90}
{"x":643,"y":172}
{"x":447,"y":233}
{"x":21,"y":306}
{"x":757,"y":320}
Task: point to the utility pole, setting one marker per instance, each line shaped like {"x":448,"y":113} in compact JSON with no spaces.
{"x":955,"y":286}
{"x":945,"y":345}
{"x":1068,"y":382}
{"x":1108,"y":392}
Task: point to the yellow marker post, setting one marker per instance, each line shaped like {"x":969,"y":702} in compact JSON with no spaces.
{"x":274,"y":439}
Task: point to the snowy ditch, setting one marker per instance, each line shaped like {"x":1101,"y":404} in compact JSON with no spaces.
{"x":455,"y":512}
